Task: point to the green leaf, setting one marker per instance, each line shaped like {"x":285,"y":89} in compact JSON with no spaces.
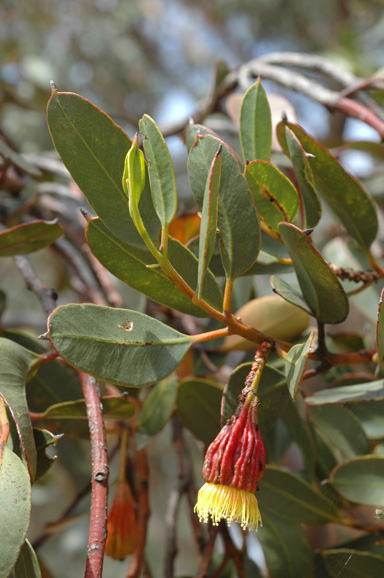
{"x":295,"y":365}
{"x":53,"y":383}
{"x":288,"y":496}
{"x":117,"y":345}
{"x":275,"y":196}
{"x":15,"y":505}
{"x":237,"y":219}
{"x":18,"y":160}
{"x":341,"y":427}
{"x":371,"y":417}
{"x":326,"y":459}
{"x":161,"y":175}
{"x":28,"y":237}
{"x":15,"y":364}
{"x":321,"y":288}
{"x":285,"y":547}
{"x":340,"y":190}
{"x":198,"y":405}
{"x":380,"y":332}
{"x":130,"y":264}
{"x":70,"y":418}
{"x":272,"y":393}
{"x":303,"y":172}
{"x":157,"y":410}
{"x":370,"y":391}
{"x":255,"y":124}
{"x":27,"y":565}
{"x":209,"y":220}
{"x":361,"y":480}
{"x":44,"y":439}
{"x":93,"y":148}
{"x":345,"y":563}
{"x":301,"y":433}
{"x":290,"y":292}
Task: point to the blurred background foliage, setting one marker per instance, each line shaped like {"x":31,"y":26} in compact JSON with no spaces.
{"x":132,"y":57}
{"x":155,"y":56}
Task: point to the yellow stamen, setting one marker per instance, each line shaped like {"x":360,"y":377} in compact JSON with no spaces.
{"x":228,"y":503}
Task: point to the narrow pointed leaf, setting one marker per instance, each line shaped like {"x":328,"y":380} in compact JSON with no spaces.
{"x":93,"y":148}
{"x":130,"y":264}
{"x":320,"y":287}
{"x":15,"y":506}
{"x":15,"y":364}
{"x":361,"y":480}
{"x":380,"y":332}
{"x":117,"y":345}
{"x":198,"y":405}
{"x":27,"y":565}
{"x":276,"y":198}
{"x":285,"y":547}
{"x":28,"y":237}
{"x":288,"y":496}
{"x":161,"y":175}
{"x":208,"y":221}
{"x":339,"y":189}
{"x":303,"y":172}
{"x":346,"y":563}
{"x":342,"y":428}
{"x":237,"y":219}
{"x":295,"y":365}
{"x":255,"y":124}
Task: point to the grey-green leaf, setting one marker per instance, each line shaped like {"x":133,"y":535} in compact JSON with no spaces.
{"x":237,"y":219}
{"x":288,"y":496}
{"x":117,"y":345}
{"x":15,"y":506}
{"x":341,"y":191}
{"x":161,"y":174}
{"x":320,"y":287}
{"x":255,"y":124}
{"x":303,"y":172}
{"x":209,"y":220}
{"x":361,"y":480}
{"x":342,"y":428}
{"x":27,"y":565}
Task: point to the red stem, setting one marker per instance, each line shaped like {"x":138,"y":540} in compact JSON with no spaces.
{"x":100,"y":471}
{"x":357,"y":110}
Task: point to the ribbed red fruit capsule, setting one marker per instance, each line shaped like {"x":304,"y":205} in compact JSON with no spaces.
{"x":233,"y":465}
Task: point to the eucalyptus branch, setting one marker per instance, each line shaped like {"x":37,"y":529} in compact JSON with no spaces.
{"x":46,"y":295}
{"x":100,"y":473}
{"x":46,"y":534}
{"x":208,"y":551}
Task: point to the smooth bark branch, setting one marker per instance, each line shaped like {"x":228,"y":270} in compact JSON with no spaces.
{"x":46,"y":295}
{"x":100,"y":472}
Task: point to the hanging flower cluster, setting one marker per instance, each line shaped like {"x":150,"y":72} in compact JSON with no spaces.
{"x":235,"y":461}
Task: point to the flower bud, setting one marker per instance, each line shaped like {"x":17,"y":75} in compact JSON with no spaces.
{"x":121,"y":527}
{"x":134,"y":173}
